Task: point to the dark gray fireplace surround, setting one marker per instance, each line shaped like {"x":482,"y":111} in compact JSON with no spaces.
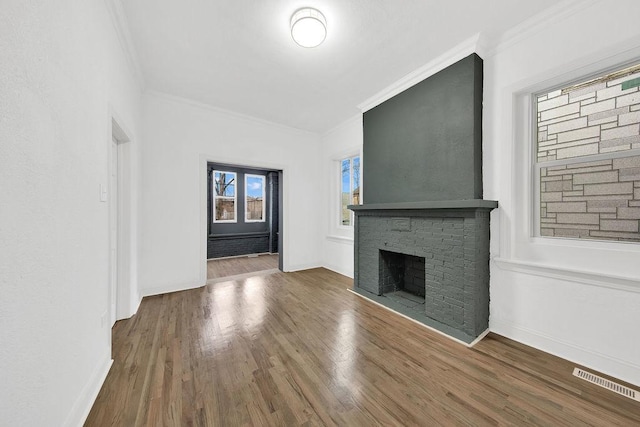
{"x":452,"y":239}
{"x":422,"y":234}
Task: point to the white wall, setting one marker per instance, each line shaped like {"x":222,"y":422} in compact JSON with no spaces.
{"x":61,"y":68}
{"x":540,"y":294}
{"x":343,"y":141}
{"x":179,"y":137}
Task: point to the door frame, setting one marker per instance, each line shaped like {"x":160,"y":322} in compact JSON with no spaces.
{"x":113,"y":198}
{"x":127,"y":297}
{"x":283,"y":243}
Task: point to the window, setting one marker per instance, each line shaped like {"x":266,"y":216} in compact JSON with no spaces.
{"x":588,"y":158}
{"x":254,"y":198}
{"x":350,"y":188}
{"x":224,"y":196}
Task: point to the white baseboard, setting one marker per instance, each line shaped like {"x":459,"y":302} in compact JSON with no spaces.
{"x":166,"y":289}
{"x":617,"y":368}
{"x":336,"y":269}
{"x":299,"y":267}
{"x":83,"y":404}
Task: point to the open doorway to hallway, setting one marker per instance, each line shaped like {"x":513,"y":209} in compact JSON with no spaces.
{"x":244,"y":217}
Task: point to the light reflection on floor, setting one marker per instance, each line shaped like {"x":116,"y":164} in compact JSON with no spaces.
{"x":253,"y":303}
{"x":344,"y":353}
{"x":237,"y":304}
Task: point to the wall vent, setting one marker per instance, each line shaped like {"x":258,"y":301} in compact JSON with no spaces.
{"x":609,"y":385}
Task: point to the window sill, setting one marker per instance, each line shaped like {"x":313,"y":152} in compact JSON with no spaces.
{"x":592,"y":278}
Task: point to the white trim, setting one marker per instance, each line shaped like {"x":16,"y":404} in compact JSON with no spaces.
{"x":588,"y":358}
{"x":345,"y":124}
{"x":338,"y":270}
{"x":516,"y":102}
{"x":453,"y":55}
{"x":468,"y":345}
{"x":169,"y":288}
{"x":339,"y":225}
{"x":120,"y":24}
{"x":228,"y":113}
{"x":83,"y":404}
{"x":301,"y":267}
{"x":537,"y":23}
{"x":340,"y":239}
{"x":215,"y":196}
{"x":611,"y":281}
{"x":127,"y":293}
{"x":264,"y":198}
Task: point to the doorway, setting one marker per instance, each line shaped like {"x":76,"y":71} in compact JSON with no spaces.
{"x":244,"y":219}
{"x":119,"y":194}
{"x":114,"y":226}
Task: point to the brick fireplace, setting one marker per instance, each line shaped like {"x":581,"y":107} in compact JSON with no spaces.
{"x":422,"y":234}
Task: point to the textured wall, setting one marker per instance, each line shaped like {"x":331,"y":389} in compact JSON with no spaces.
{"x":455,"y":246}
{"x":583,"y":198}
{"x":595,"y":200}
{"x":426,"y":142}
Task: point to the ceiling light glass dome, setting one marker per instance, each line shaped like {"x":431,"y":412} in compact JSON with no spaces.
{"x":308,"y":27}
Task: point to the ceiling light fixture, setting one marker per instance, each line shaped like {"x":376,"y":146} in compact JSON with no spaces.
{"x":308,"y":27}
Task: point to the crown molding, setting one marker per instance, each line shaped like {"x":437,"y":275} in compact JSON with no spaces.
{"x":229,"y":113}
{"x":471,"y":45}
{"x":537,"y":23}
{"x":120,"y":24}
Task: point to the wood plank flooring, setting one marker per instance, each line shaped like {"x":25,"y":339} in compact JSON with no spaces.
{"x":224,"y":267}
{"x":292,"y":349}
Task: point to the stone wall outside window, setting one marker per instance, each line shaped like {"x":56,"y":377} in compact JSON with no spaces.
{"x":588,"y":159}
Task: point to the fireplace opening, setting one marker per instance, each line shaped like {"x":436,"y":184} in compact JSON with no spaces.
{"x":402,"y":279}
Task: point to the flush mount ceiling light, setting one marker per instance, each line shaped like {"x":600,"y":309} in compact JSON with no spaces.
{"x":308,"y":27}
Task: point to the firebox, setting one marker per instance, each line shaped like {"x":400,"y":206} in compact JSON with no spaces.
{"x":402,"y":279}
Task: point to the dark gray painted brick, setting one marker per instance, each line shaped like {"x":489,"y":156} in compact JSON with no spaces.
{"x":456,"y":262}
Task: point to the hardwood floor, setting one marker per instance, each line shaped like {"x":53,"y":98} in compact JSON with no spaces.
{"x":299,"y":349}
{"x":226,"y":267}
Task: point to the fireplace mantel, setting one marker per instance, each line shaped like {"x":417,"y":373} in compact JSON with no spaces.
{"x":434,"y":204}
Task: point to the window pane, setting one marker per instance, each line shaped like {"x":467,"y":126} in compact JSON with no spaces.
{"x":254,"y":197}
{"x":355,"y":181}
{"x":225,"y":209}
{"x":345,"y":214}
{"x":225,"y":184}
{"x":581,"y":197}
{"x":224,"y":196}
{"x":591,"y":200}
{"x":597,"y":116}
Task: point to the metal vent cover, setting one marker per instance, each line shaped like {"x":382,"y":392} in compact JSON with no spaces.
{"x":609,"y":385}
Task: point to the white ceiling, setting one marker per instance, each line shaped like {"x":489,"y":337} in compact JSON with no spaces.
{"x":239,"y":55}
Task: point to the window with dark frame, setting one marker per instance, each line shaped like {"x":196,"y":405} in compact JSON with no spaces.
{"x":255,"y":203}
{"x":224,"y":197}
